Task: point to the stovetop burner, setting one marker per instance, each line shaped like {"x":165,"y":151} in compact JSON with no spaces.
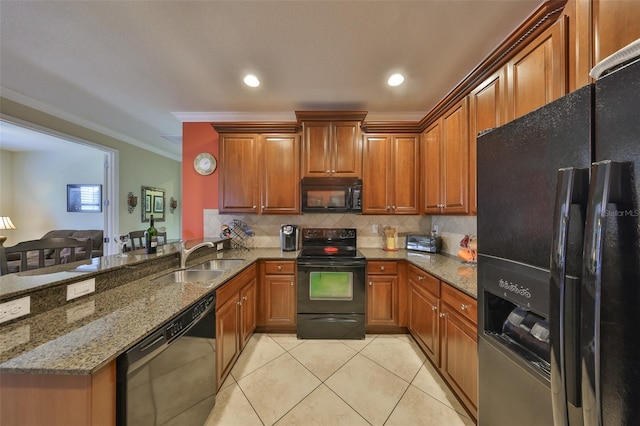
{"x":329,"y":243}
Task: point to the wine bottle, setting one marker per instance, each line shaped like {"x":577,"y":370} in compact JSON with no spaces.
{"x":151,"y":238}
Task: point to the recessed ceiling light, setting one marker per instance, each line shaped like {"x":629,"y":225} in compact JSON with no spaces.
{"x":395,"y":80}
{"x":251,"y":80}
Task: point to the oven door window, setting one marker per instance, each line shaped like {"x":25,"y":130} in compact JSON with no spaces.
{"x":336,"y":286}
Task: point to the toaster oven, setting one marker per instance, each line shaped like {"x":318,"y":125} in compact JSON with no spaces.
{"x":426,"y":243}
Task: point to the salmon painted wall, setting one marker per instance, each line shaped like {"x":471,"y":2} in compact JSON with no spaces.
{"x":198,"y":192}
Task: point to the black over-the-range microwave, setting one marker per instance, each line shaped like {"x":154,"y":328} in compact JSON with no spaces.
{"x":331,"y":195}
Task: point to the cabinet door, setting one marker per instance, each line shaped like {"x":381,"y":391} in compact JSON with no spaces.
{"x":615,"y":25}
{"x":459,"y":363}
{"x":423,"y":320}
{"x":455,"y":159}
{"x":280,"y":300}
{"x":430,"y":161}
{"x":537,"y":74}
{"x":486,"y":111}
{"x":404,"y":174}
{"x":248,"y":311}
{"x":390,"y":174}
{"x":280,"y":174}
{"x":376,"y":177}
{"x":239,"y":173}
{"x":227,"y":342}
{"x":316,"y":151}
{"x":382,"y":300}
{"x":346,"y":155}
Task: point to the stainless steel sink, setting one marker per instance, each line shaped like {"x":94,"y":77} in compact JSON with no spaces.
{"x":218,"y":265}
{"x":189,"y":276}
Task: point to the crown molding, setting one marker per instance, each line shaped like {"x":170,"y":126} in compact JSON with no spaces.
{"x":62,"y":115}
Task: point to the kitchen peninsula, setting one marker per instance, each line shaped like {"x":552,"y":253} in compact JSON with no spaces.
{"x":65,"y":357}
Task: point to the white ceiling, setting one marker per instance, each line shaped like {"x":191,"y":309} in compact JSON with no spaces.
{"x":136,"y":69}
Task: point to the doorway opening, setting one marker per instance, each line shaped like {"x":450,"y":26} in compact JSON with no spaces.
{"x":21,"y":137}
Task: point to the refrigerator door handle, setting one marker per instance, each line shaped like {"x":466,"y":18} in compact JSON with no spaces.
{"x":570,"y":189}
{"x":606,"y":187}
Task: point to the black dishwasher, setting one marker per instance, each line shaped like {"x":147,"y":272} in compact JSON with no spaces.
{"x":169,"y":378}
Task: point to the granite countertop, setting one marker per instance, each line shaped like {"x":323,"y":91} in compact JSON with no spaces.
{"x":444,"y":267}
{"x":84,"y":335}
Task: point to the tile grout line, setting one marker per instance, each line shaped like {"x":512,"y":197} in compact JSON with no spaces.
{"x":323,"y":382}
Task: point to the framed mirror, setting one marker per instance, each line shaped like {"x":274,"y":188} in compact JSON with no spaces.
{"x":152,"y":204}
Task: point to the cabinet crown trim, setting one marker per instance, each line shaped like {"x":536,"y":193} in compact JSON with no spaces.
{"x":243,"y":127}
{"x":391,"y":127}
{"x":330,"y":116}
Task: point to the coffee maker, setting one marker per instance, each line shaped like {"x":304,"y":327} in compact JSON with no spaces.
{"x":289,"y":237}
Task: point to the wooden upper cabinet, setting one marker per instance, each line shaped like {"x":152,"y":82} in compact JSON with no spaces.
{"x":445,"y":159}
{"x":347,"y":149}
{"x":487,"y":110}
{"x":615,"y":24}
{"x":430,"y":161}
{"x":239,"y":173}
{"x":331,"y":149}
{"x":390,"y":174}
{"x":537,"y":74}
{"x":280,"y":174}
{"x":455,"y":158}
{"x":260,"y":173}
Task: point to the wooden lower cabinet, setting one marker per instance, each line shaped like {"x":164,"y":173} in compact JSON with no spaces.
{"x":45,"y":399}
{"x":459,"y":345}
{"x":424,"y":305}
{"x":278,"y":295}
{"x":443,"y":321}
{"x":236,"y":313}
{"x":382,"y":293}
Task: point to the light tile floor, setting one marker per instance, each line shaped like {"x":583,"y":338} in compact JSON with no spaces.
{"x":381,"y":380}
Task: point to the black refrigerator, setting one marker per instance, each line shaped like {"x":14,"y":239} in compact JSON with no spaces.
{"x":559,"y":260}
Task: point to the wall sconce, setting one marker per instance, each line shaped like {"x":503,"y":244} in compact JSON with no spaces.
{"x":132,"y":202}
{"x":173,"y":204}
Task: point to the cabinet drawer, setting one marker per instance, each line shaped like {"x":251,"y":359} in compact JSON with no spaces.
{"x":382,"y":267}
{"x":274,"y":267}
{"x":462,"y":303}
{"x":424,"y":280}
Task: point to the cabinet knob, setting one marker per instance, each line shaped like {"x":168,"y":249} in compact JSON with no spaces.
{"x":370,"y":283}
{"x":393,"y":207}
{"x":434,"y":308}
{"x":382,"y":268}
{"x":262,"y":207}
{"x":291,"y":283}
{"x":279,"y":267}
{"x":464,"y":307}
{"x":245,"y":298}
{"x":254,"y":207}
{"x":333,"y":171}
{"x":239,"y":303}
{"x":420,"y":278}
{"x":441,"y":315}
{"x":328,"y":171}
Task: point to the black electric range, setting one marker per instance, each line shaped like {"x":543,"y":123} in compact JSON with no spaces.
{"x":331,"y":285}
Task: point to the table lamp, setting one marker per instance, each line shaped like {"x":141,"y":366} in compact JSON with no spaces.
{"x":5,"y":223}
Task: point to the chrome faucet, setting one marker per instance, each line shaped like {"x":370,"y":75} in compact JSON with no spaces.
{"x":185,"y":252}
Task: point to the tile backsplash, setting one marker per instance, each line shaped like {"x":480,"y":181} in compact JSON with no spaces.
{"x":452,"y":229}
{"x":267,"y":227}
